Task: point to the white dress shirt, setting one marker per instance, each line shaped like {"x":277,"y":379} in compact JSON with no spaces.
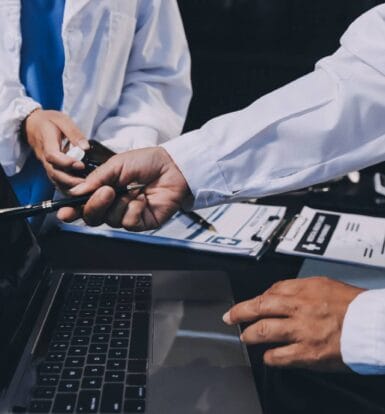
{"x":126,"y":77}
{"x":319,"y":127}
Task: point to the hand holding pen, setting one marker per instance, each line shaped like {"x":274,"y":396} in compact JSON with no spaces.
{"x":166,"y":190}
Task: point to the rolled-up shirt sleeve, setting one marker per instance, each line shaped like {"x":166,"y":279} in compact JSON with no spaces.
{"x":363,"y":333}
{"x":323,"y":125}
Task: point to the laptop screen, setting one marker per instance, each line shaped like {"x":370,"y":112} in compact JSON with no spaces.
{"x":19,"y":252}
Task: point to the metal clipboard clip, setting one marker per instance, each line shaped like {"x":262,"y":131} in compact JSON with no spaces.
{"x":268,"y":242}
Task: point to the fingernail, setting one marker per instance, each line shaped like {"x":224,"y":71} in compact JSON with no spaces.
{"x":79,"y":189}
{"x":84,"y":144}
{"x":78,"y":165}
{"x":226,"y":318}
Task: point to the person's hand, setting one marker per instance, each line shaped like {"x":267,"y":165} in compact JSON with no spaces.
{"x":165,"y":190}
{"x":303,"y":316}
{"x":45,"y":131}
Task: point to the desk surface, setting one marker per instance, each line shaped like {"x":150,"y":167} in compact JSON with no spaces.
{"x":249,"y":278}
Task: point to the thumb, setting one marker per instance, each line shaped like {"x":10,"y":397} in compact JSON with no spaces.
{"x":107,"y":174}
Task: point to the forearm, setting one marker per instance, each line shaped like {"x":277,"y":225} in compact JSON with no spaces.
{"x":321,"y":126}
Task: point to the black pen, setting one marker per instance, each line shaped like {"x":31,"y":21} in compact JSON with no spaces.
{"x":53,"y":205}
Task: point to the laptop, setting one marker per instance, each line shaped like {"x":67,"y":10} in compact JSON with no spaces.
{"x":105,"y":342}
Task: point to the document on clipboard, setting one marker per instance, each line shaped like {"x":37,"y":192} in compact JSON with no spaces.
{"x":241,"y":229}
{"x":349,"y":238}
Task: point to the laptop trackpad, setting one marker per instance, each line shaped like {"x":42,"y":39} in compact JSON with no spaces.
{"x":198,"y":363}
{"x":188,"y":332}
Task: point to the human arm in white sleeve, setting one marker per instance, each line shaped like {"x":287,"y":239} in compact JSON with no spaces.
{"x":157,"y":87}
{"x":15,"y":106}
{"x":318,"y":127}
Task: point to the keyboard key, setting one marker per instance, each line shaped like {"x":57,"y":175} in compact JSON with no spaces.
{"x":105,"y":311}
{"x":44,"y":392}
{"x":122,"y":315}
{"x":119,"y":343}
{"x":98,"y":348}
{"x":89,"y":305}
{"x":117,"y":353}
{"x":110,"y":289}
{"x":136,"y":379}
{"x":50,"y":368}
{"x":116,"y":365}
{"x":85,"y":322}
{"x":71,"y":373}
{"x":69,"y":386}
{"x":74,"y":362}
{"x":100,"y":338}
{"x":111,"y":280}
{"x":134,"y":406}
{"x":88,"y":401}
{"x":135,"y":392}
{"x":94,"y":290}
{"x":65,"y":327}
{"x":104,"y":320}
{"x":94,"y":371}
{"x":39,"y":406}
{"x":144,"y":278}
{"x":128,"y":282}
{"x":58,"y":346}
{"x":124,"y":300}
{"x":95,"y":283}
{"x":64,"y":403}
{"x":55,"y":356}
{"x":87,"y":313}
{"x":97,"y":277}
{"x":124,"y":308}
{"x":83,"y":331}
{"x":101,"y":329}
{"x":80,"y":340}
{"x":78,"y":278}
{"x":138,"y":365}
{"x":112,"y":398}
{"x":120,"y":333}
{"x":123,"y":324}
{"x":143,"y":284}
{"x":91,"y":382}
{"x":115,"y":376}
{"x":96,"y":359}
{"x":68,"y":317}
{"x":59,"y":336}
{"x":142,"y":306}
{"x":77,"y":351}
{"x":48,"y":380}
{"x":125,"y":292}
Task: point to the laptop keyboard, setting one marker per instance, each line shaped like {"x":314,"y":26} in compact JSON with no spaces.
{"x":98,"y":355}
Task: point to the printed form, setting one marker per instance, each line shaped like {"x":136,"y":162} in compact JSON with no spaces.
{"x":343,"y":237}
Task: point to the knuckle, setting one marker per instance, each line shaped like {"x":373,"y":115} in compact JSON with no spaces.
{"x":262,"y":329}
{"x":259,"y":304}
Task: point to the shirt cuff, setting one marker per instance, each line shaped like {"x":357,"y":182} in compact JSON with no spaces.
{"x":192,"y":154}
{"x":363,"y":333}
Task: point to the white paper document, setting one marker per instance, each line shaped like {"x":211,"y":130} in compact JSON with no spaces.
{"x":349,"y":238}
{"x":241,"y":229}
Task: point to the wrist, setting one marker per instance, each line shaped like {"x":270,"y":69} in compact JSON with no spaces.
{"x":24,"y":127}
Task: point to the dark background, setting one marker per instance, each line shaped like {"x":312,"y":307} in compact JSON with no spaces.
{"x":242,"y":49}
